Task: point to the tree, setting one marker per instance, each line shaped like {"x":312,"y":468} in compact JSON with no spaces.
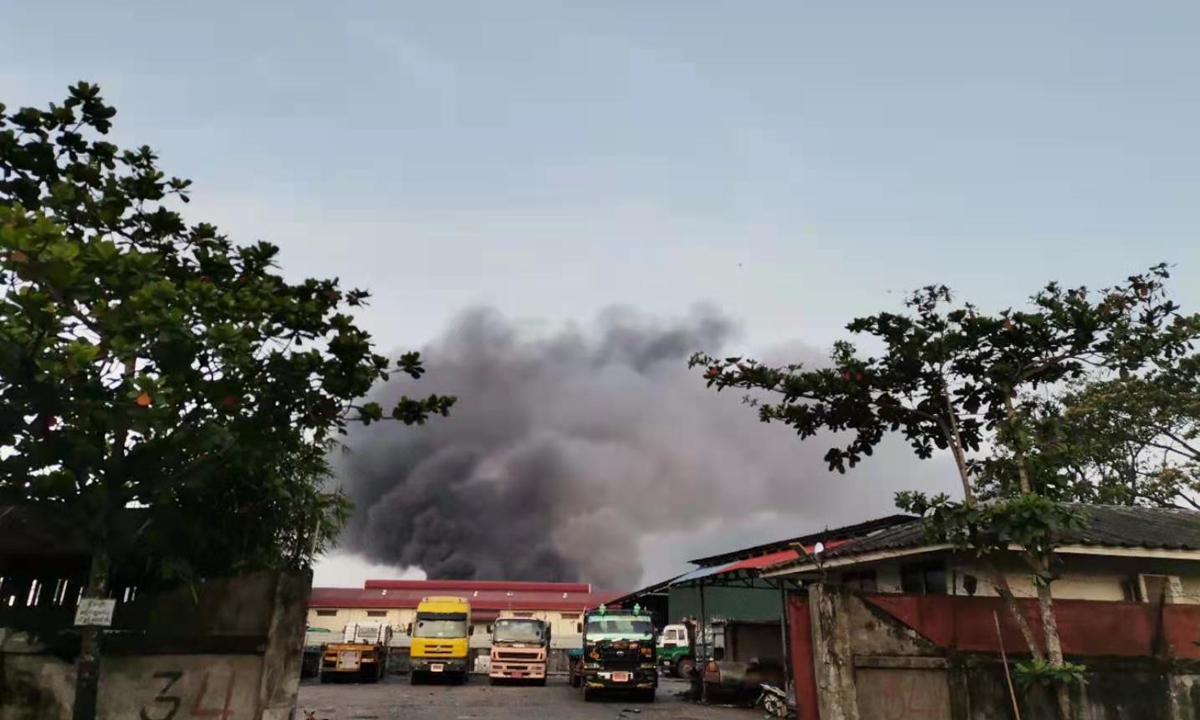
{"x":149,"y":362}
{"x":950,"y":377}
{"x":1133,"y":441}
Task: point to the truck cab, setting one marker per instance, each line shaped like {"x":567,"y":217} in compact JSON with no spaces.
{"x":677,"y":650}
{"x":440,"y":639}
{"x":618,"y":654}
{"x":519,"y":650}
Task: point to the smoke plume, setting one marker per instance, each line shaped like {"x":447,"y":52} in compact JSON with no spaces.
{"x":569,"y":453}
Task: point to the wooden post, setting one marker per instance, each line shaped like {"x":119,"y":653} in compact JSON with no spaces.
{"x":1007,"y":676}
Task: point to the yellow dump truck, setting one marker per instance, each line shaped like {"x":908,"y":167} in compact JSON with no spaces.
{"x":440,"y":639}
{"x":361,"y":655}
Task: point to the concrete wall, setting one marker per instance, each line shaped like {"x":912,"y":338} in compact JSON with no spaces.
{"x":37,"y":687}
{"x":234,"y":655}
{"x":886,"y":656}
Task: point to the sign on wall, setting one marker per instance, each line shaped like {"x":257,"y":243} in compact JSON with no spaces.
{"x":94,"y":612}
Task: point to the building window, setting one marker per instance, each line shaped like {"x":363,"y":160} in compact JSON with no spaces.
{"x":924,"y":578}
{"x":1131,"y":590}
{"x":327,"y":613}
{"x":377,"y":613}
{"x":863,"y":581}
{"x":570,"y":616}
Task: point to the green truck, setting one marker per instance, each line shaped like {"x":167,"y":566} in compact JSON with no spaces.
{"x":677,"y":650}
{"x":618,"y":654}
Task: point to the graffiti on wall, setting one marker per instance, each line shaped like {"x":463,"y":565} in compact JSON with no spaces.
{"x":180,"y":687}
{"x":166,"y":705}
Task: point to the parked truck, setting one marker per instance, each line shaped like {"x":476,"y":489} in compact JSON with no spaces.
{"x":677,"y":650}
{"x":440,"y":639}
{"x":361,"y":655}
{"x":618,"y":654}
{"x":520,"y":647}
{"x":315,"y":640}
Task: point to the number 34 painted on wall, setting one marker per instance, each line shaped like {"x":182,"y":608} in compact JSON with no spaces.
{"x":166,"y":705}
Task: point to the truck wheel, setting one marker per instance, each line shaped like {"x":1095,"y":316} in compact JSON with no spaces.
{"x":648,"y":695}
{"x":588,"y":695}
{"x":685,"y":667}
{"x":415,"y":678}
{"x":326,"y":679}
{"x":466,"y":675}
{"x":542,"y":681}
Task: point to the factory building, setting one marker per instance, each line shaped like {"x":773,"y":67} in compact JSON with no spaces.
{"x":394,"y":602}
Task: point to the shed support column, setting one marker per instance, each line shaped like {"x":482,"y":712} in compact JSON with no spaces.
{"x":702,"y":661}
{"x":783,"y":632}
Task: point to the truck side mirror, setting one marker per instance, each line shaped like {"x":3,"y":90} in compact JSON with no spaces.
{"x":408,"y":630}
{"x":491,"y":629}
{"x":471,"y":630}
{"x":579,"y":627}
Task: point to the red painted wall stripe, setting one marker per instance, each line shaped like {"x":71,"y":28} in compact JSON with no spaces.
{"x":1087,"y":627}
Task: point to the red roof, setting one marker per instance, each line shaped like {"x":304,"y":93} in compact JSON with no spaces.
{"x":483,"y":595}
{"x":775,"y":558}
{"x":472,"y":585}
{"x":763,"y":560}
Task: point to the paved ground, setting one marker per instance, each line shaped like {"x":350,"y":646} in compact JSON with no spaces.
{"x":395,"y":698}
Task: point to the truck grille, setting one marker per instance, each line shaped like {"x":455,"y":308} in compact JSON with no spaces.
{"x":518,"y":655}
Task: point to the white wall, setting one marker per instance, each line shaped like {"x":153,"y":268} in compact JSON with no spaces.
{"x":1079,"y":577}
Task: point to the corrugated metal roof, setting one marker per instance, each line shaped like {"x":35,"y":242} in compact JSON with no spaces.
{"x":481,"y":599}
{"x":826,"y":536}
{"x":1117,"y":526}
{"x":697,"y":574}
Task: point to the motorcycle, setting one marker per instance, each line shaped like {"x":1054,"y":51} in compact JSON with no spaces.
{"x":774,"y":702}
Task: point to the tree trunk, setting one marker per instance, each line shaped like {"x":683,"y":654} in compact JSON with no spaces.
{"x":1000,"y":582}
{"x":1053,"y":646}
{"x":955,"y":440}
{"x":1022,"y":471}
{"x":87,"y":671}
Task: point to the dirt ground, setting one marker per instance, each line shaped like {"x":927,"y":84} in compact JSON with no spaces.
{"x":395,"y":698}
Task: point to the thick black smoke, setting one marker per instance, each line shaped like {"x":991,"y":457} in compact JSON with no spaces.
{"x":565,"y":453}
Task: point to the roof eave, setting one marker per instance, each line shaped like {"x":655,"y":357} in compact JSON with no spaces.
{"x":808,"y":568}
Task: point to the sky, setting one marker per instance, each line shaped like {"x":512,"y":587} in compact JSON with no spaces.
{"x":794,"y":163}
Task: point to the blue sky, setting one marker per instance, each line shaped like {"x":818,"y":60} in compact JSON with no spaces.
{"x":794,"y":162}
{"x":791,"y":162}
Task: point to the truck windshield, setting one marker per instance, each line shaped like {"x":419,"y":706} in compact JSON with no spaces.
{"x":440,"y":629}
{"x":618,"y":625}
{"x":518,"y":631}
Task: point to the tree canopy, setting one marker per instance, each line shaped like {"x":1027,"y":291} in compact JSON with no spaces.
{"x":1131,"y":442}
{"x":1027,"y":401}
{"x":148,"y":361}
